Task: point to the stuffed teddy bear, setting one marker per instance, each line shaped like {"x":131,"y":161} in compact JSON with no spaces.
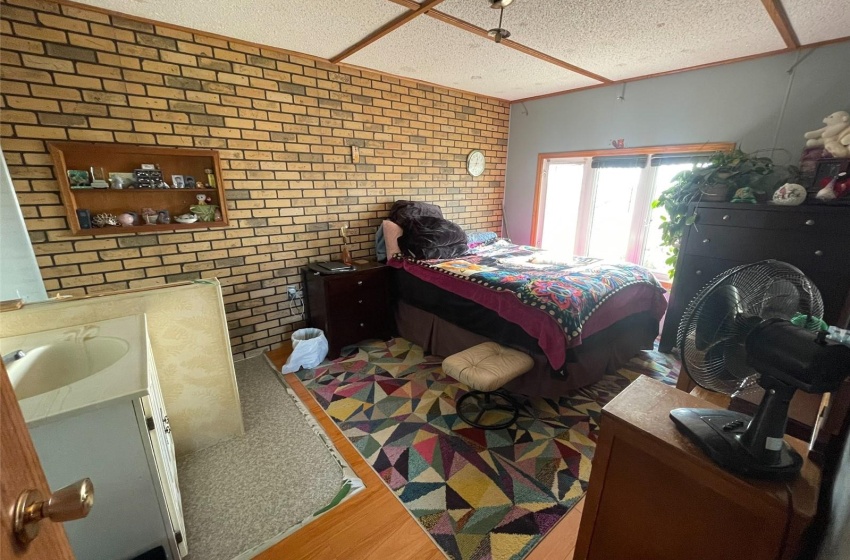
{"x":845,"y":138}
{"x":833,"y":135}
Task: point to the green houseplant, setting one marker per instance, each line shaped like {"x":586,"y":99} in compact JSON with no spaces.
{"x":725,"y":173}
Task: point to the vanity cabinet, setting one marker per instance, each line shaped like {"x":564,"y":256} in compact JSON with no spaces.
{"x":125,"y":447}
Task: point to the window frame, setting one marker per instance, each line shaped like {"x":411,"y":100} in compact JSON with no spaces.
{"x":642,"y":211}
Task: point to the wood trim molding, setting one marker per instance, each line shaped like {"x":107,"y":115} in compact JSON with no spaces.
{"x":780,"y":19}
{"x":537,"y":207}
{"x":460,"y":24}
{"x":386,"y":29}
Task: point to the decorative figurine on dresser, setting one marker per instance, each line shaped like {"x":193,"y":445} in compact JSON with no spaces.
{"x":349,"y":303}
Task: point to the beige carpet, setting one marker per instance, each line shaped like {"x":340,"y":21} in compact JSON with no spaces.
{"x":244,"y":492}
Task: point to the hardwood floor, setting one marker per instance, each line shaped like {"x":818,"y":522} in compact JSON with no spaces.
{"x":373,"y":523}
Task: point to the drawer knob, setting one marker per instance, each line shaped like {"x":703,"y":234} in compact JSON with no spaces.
{"x":359,"y":301}
{"x":360,"y":282}
{"x":818,"y":253}
{"x":706,"y":240}
{"x":810,"y":222}
{"x":725,"y":217}
{"x":362,"y":325}
{"x":699,"y":272}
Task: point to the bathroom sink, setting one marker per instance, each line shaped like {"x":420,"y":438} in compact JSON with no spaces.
{"x":57,"y":364}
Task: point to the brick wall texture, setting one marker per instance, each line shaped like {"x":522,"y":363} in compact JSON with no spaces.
{"x":284,"y":126}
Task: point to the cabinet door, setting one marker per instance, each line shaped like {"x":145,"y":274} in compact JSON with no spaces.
{"x":166,"y":461}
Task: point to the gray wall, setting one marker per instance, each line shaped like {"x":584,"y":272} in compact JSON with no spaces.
{"x":738,"y":102}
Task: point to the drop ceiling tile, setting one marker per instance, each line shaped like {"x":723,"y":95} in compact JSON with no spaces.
{"x":818,"y":21}
{"x":427,"y":49}
{"x":618,"y":39}
{"x":322,"y":28}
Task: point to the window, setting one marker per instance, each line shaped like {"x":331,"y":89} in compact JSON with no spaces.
{"x":599,"y":204}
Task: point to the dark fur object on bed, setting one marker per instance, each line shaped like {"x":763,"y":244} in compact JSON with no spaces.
{"x":405,"y":210}
{"x":427,"y":237}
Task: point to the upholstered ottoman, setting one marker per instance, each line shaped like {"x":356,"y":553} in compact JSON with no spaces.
{"x":485,"y":368}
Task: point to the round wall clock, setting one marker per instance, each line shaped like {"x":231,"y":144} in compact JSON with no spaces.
{"x":475,"y":163}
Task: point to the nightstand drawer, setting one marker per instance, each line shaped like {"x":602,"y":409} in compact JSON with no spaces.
{"x":353,"y":285}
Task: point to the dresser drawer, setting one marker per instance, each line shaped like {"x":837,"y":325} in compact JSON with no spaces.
{"x":748,"y":216}
{"x":739,"y":244}
{"x":744,"y":217}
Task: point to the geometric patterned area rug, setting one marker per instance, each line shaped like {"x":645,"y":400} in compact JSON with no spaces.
{"x":480,"y":494}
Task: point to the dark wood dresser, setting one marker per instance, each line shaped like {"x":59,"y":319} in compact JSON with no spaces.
{"x":814,"y":238}
{"x":350,"y":306}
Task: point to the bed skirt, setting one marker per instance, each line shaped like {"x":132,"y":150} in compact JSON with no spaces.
{"x":605,"y":351}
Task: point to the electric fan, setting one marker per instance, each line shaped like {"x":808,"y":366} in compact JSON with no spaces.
{"x":756,"y":323}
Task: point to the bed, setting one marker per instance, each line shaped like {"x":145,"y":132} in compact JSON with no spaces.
{"x":578,"y":318}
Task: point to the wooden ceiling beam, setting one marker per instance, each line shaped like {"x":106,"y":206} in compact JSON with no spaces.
{"x":783,"y":24}
{"x":460,"y":24}
{"x":415,"y":11}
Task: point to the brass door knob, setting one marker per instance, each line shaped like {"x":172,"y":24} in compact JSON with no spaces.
{"x":66,"y":504}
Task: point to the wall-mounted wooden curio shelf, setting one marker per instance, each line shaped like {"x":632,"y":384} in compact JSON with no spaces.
{"x":125,"y":158}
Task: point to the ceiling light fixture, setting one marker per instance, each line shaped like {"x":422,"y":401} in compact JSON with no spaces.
{"x":500,"y":33}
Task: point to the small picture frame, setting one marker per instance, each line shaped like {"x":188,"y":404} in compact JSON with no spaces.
{"x":178,"y":182}
{"x":148,"y":166}
{"x":189,"y":181}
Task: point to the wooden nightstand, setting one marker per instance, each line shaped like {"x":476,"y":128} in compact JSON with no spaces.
{"x":350,"y":306}
{"x":654,"y":495}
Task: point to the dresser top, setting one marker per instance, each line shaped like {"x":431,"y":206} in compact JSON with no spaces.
{"x":825,"y":208}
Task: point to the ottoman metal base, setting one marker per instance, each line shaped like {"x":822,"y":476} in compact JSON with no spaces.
{"x":486,"y":401}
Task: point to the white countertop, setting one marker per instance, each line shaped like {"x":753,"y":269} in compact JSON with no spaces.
{"x":127,"y":378}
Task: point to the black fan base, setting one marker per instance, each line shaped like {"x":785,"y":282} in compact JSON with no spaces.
{"x":716,"y":432}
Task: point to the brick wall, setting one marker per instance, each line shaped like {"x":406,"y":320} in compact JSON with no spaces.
{"x":284,"y":126}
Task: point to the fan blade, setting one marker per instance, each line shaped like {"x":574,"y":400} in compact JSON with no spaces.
{"x":716,"y":315}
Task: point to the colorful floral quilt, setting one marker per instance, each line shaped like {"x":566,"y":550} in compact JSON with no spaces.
{"x":568,"y":289}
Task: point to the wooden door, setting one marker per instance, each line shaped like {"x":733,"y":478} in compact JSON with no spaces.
{"x":20,"y":470}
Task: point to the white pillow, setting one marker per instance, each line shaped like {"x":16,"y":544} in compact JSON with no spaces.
{"x":547,"y":257}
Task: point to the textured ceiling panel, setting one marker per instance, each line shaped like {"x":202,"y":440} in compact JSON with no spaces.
{"x":321,"y":28}
{"x":429,"y":50}
{"x":828,"y":19}
{"x":621,"y":39}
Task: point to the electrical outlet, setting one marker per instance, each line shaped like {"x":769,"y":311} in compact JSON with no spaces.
{"x":292,"y":292}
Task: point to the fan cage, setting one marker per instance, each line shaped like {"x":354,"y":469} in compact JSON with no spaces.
{"x":763,"y":290}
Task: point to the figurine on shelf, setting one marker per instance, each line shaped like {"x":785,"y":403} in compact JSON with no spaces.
{"x":789,"y":194}
{"x":842,"y":185}
{"x":210,"y":178}
{"x":127,"y":219}
{"x":346,"y":255}
{"x":104,"y":220}
{"x":744,"y":194}
{"x":163,"y":217}
{"x":186,"y":219}
{"x":149,"y":215}
{"x":205,"y":212}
